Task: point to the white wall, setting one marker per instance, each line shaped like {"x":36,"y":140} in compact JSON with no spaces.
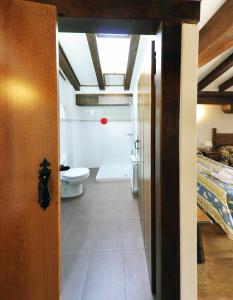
{"x":68,"y":110}
{"x":103,"y":144}
{"x":86,"y":141}
{"x":188,"y":178}
{"x":212,"y":116}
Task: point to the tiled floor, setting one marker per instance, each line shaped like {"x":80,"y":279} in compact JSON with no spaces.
{"x":103,"y":256}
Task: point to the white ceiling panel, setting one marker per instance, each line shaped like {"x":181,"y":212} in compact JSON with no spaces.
{"x":114,"y":79}
{"x":77,"y":51}
{"x":113,"y":54}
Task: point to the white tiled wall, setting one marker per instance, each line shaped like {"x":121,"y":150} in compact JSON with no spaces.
{"x":82,"y":137}
{"x":86,"y":141}
{"x":102,"y":144}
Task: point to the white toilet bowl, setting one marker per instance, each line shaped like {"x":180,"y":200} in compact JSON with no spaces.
{"x":71,"y":181}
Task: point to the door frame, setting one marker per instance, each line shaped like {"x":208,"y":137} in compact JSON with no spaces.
{"x":165,"y":249}
{"x":148,"y":28}
{"x":165,"y":20}
{"x":162,"y":265}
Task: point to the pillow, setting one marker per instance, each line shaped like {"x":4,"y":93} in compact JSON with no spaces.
{"x":226,"y":155}
{"x":199,"y":152}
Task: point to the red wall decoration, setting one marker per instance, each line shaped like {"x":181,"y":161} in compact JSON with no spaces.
{"x":104,"y":121}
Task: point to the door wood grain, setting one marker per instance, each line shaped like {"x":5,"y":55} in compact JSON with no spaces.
{"x":29,"y":235}
{"x":145,"y":128}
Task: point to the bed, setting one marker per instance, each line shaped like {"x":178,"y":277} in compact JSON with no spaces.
{"x":215,"y":196}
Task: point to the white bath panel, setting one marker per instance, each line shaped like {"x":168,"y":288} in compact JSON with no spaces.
{"x":120,"y":172}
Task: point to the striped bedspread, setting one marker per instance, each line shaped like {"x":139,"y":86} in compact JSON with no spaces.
{"x":214,"y":195}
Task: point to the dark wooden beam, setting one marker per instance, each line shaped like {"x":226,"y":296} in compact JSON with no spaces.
{"x":186,"y":11}
{"x":68,"y":70}
{"x":103,"y":25}
{"x":217,"y":35}
{"x":167,"y":89}
{"x":92,"y":42}
{"x":215,"y":98}
{"x":226,"y":85}
{"x":133,"y":48}
{"x":60,"y":72}
{"x":216,"y":94}
{"x":103,"y":99}
{"x":217,"y":72}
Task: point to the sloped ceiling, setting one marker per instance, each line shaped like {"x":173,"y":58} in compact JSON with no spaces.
{"x":208,"y":9}
{"x":206,"y":69}
{"x":78,"y":53}
{"x":76,"y":48}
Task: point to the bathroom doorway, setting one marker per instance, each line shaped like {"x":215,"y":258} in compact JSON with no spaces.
{"x":105,"y":138}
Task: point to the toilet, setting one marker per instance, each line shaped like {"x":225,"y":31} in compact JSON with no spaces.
{"x":72,"y":179}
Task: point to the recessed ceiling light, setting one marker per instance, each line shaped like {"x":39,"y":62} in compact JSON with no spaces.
{"x":118,"y":36}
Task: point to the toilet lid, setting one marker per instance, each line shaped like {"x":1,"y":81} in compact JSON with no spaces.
{"x":75,"y":173}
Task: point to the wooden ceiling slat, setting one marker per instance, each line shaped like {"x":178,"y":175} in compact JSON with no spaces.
{"x":217,"y":72}
{"x":133,"y":48}
{"x":67,"y":69}
{"x":215,"y":98}
{"x":92,"y":42}
{"x":216,"y":94}
{"x":217,"y":35}
{"x":226,"y":85}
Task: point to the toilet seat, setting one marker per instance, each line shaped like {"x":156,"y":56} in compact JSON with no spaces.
{"x":75,"y":173}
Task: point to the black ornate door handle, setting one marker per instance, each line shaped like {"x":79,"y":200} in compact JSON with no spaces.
{"x":44,"y":173}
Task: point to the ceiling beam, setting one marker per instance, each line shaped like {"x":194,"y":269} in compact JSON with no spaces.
{"x":215,"y":98}
{"x":186,"y":11}
{"x":217,"y":72}
{"x":111,"y":26}
{"x":226,"y":85}
{"x":92,"y":42}
{"x":133,"y":48}
{"x":216,"y":94}
{"x":217,"y":35}
{"x":67,"y":69}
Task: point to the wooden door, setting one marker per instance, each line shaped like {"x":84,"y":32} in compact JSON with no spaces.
{"x":140,"y":153}
{"x":145,"y":135}
{"x":153,"y":194}
{"x":29,"y":235}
